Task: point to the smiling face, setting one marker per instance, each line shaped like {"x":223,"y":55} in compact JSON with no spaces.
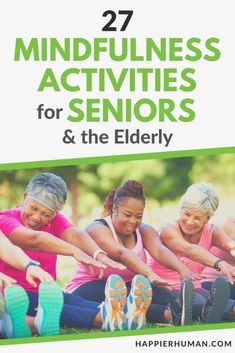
{"x":35,"y":215}
{"x":127,"y":217}
{"x":192,"y":220}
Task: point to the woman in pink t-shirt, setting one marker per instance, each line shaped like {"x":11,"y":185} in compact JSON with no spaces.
{"x":192,"y":237}
{"x":123,"y":237}
{"x":42,"y":232}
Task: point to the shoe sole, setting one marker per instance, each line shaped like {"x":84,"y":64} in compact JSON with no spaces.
{"x":115,"y":301}
{"x":17,"y":303}
{"x":188,"y":299}
{"x":141,"y":297}
{"x":51,"y":300}
{"x":221,"y":296}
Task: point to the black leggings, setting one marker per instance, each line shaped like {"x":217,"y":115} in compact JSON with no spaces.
{"x":94,"y":291}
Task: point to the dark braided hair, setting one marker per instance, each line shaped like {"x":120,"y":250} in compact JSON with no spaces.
{"x":130,"y":189}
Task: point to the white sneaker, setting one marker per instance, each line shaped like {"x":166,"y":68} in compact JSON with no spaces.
{"x":138,"y":302}
{"x":112,"y":309}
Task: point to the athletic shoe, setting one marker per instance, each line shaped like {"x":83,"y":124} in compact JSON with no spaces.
{"x":112,"y":309}
{"x":17,"y":303}
{"x":50,"y":305}
{"x":218,"y":298}
{"x":181,"y":306}
{"x":138,"y":302}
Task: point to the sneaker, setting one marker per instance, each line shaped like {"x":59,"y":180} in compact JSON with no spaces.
{"x":50,"y":305}
{"x":181,"y":306}
{"x":218,"y":298}
{"x":112,"y":309}
{"x":17,"y":304}
{"x":138,"y":302}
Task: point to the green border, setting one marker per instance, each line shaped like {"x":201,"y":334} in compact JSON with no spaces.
{"x":105,"y":159}
{"x":116,"y":158}
{"x":93,"y":335}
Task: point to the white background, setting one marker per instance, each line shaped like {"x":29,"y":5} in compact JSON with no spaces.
{"x":24,"y":138}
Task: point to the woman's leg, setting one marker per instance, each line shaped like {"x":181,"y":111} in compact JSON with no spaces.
{"x":78,"y":312}
{"x":207,"y":285}
{"x":163,"y":296}
{"x":93,"y":291}
{"x":232,"y":296}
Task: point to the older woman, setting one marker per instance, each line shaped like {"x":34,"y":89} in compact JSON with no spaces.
{"x":123,"y":236}
{"x":191,"y":238}
{"x":43,"y":232}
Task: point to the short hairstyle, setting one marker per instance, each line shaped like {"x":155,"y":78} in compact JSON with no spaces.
{"x":202,"y":196}
{"x":48,"y":189}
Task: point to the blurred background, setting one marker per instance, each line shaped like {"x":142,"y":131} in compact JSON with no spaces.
{"x":164,"y":180}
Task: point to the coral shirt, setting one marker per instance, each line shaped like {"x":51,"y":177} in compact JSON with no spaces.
{"x":11,"y":220}
{"x":172,"y":275}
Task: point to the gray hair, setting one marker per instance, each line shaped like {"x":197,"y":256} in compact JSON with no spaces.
{"x":202,"y":196}
{"x":48,"y":189}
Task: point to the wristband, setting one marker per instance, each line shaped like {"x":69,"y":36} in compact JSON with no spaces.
{"x":98,"y":251}
{"x":216,"y":264}
{"x":31,"y":263}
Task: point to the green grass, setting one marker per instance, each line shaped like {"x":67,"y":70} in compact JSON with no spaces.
{"x":69,"y":331}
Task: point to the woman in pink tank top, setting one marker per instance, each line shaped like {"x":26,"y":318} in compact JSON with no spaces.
{"x":192,"y":237}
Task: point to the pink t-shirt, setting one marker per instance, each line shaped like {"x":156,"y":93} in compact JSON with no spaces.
{"x":9,"y":221}
{"x":82,"y":275}
{"x":172,"y":275}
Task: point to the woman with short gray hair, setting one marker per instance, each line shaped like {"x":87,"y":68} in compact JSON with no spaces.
{"x":42,"y":231}
{"x":191,"y":238}
{"x":201,"y":196}
{"x":48,"y":189}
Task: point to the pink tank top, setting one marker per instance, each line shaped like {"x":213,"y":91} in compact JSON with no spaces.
{"x":172,"y":275}
{"x":82,"y":275}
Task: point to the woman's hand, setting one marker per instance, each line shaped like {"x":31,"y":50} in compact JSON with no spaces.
{"x":6,"y":281}
{"x":228,"y":270}
{"x":89,"y":262}
{"x":192,"y":276}
{"x":36,"y":272}
{"x":232,"y":252}
{"x":157,"y":280}
{"x":104,"y":259}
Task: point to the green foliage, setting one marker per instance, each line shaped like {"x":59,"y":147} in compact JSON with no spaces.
{"x":218,"y":170}
{"x":164,"y":180}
